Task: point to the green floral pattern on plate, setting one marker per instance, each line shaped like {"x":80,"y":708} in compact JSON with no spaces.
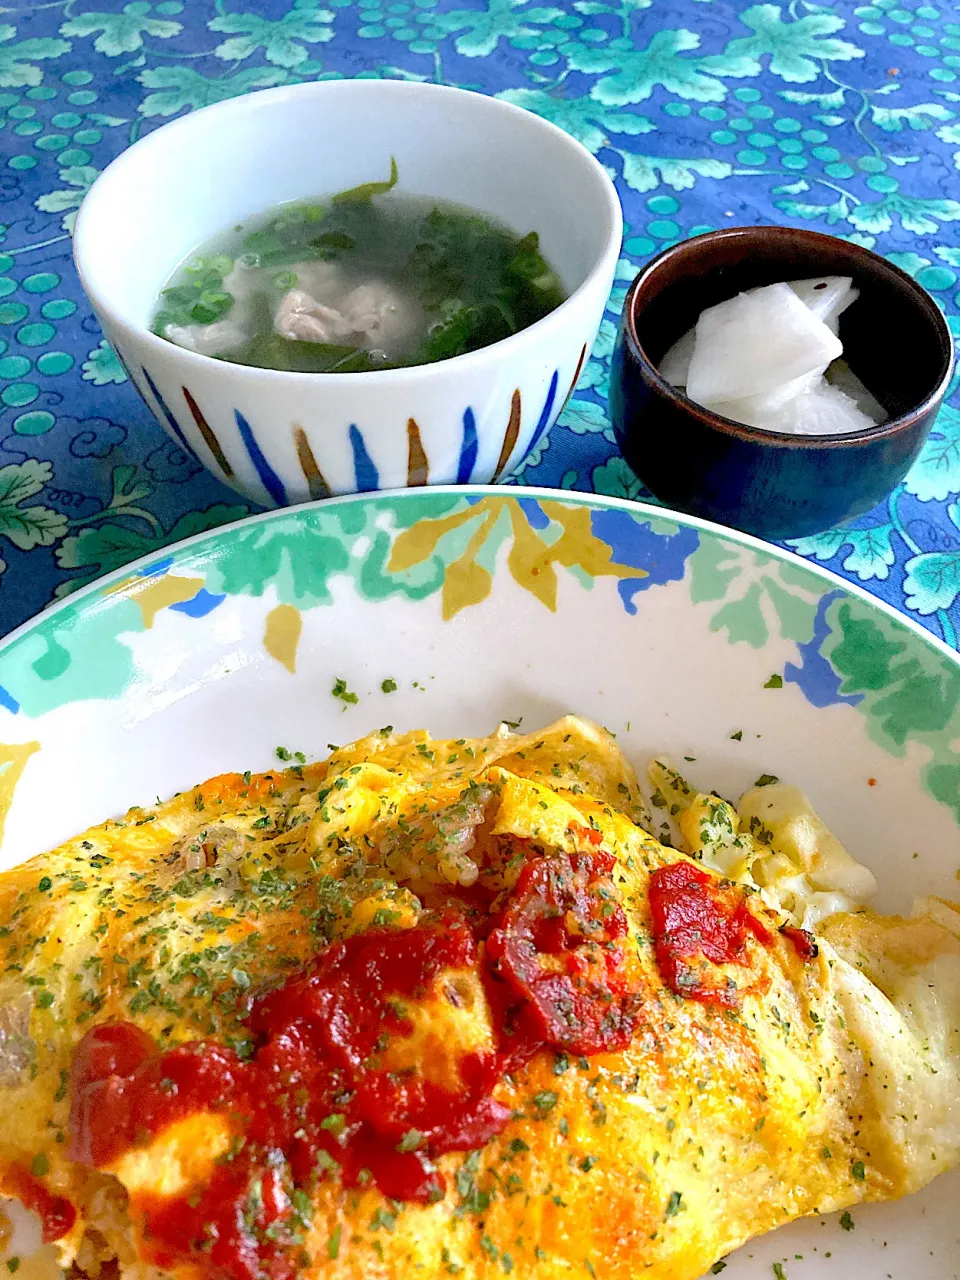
{"x":465,"y":548}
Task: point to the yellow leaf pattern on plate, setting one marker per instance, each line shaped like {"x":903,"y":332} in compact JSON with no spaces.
{"x":418,"y":542}
{"x":531,"y":560}
{"x":158,"y":591}
{"x":281,"y":635}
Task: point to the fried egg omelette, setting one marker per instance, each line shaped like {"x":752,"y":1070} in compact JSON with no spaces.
{"x":449,"y":1008}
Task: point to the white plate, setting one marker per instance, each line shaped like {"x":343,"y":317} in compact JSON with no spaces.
{"x":485,"y":604}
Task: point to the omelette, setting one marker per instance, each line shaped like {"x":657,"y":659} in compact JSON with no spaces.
{"x":449,"y":1008}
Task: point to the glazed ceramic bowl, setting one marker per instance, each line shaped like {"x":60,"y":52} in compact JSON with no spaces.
{"x":778,"y":485}
{"x":283,"y":437}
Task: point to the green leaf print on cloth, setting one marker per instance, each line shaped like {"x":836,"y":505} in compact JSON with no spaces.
{"x":936,"y":473}
{"x":282,"y":42}
{"x":871,"y":551}
{"x":798,"y":49}
{"x":33,"y":526}
{"x":588,"y":121}
{"x":80,"y":178}
{"x":17,"y":68}
{"x":121,"y":32}
{"x":178,"y":87}
{"x":637,"y":72}
{"x":482,"y":29}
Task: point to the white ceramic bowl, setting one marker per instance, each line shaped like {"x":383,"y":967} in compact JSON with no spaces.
{"x":284,"y":437}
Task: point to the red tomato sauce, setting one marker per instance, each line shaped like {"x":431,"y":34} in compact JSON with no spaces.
{"x":318,"y":1095}
{"x":57,"y":1215}
{"x":804,"y":942}
{"x":699,"y":923}
{"x":558,"y":946}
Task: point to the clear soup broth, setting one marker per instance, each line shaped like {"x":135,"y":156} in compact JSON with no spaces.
{"x":363,"y":280}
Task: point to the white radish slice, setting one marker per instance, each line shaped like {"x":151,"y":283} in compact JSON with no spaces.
{"x":826,"y":296}
{"x":827,"y":411}
{"x":790,"y":390}
{"x":675,"y":365}
{"x":756,"y":342}
{"x":822,"y":410}
{"x":841,"y":375}
{"x":768,"y":402}
{"x":756,"y":411}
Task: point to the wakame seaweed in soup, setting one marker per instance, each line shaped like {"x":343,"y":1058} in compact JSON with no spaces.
{"x":366,"y":279}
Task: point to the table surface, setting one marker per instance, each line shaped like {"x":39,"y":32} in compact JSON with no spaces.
{"x":839,"y":117}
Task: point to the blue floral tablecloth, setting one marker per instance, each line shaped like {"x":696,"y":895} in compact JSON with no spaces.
{"x":841,"y":117}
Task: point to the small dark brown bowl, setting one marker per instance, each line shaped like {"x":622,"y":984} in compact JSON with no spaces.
{"x":778,"y":485}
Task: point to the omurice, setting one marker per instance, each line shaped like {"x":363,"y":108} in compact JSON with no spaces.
{"x":450,"y":1008}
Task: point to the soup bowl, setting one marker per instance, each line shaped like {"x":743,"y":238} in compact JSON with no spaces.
{"x":282,"y":437}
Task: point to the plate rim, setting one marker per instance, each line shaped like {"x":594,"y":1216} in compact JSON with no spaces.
{"x":580,"y":497}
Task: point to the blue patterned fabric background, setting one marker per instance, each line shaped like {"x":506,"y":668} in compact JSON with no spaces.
{"x":842,"y":117}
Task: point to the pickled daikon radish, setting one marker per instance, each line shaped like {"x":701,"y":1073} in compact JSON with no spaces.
{"x":769,"y":358}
